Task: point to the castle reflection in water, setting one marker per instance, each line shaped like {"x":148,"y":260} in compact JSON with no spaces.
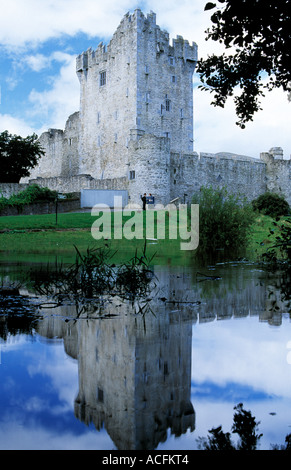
{"x":135,"y":367}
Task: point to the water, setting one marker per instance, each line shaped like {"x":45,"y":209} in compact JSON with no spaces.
{"x":157,"y":378}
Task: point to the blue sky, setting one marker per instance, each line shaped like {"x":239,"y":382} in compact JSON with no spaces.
{"x":39,"y":41}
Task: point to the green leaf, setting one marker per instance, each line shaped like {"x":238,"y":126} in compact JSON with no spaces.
{"x":209,"y":6}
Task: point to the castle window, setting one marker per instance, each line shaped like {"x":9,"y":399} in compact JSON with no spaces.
{"x":98,"y":117}
{"x":147,"y":97}
{"x":100,"y":395}
{"x":171,"y":61}
{"x":173,"y":78}
{"x":132,"y":175}
{"x":146,"y":69}
{"x":70,"y":142}
{"x":115,"y":138}
{"x":102,"y":78}
{"x":181,"y":113}
{"x":168,"y":104}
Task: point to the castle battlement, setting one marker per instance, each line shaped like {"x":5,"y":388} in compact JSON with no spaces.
{"x":137,"y":24}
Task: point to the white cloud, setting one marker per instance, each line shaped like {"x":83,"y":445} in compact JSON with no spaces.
{"x":61,"y":99}
{"x":15,"y":125}
{"x":37,"y":62}
{"x":17,"y":434}
{"x":215,"y":129}
{"x":33,"y":22}
{"x":250,"y":354}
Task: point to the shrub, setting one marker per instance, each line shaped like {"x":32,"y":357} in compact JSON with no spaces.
{"x":271,"y":204}
{"x":32,"y":193}
{"x":224,"y":219}
{"x":280,"y":250}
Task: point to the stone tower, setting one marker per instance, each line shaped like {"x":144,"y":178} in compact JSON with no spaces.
{"x":135,"y":86}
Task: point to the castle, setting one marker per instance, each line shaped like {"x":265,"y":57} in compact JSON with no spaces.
{"x":134,"y":130}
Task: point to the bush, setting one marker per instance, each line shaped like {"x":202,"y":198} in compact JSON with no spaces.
{"x":31,"y":194}
{"x":271,"y":204}
{"x":280,"y":250}
{"x":224,"y":219}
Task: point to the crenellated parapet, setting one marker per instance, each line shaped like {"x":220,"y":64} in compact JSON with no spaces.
{"x":138,"y":23}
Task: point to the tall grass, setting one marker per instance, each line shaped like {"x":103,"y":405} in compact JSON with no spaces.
{"x":225,"y":220}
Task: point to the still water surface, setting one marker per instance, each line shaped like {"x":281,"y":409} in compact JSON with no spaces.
{"x":158,"y":380}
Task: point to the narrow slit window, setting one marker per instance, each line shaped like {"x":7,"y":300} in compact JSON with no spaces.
{"x":102,"y":78}
{"x":100,"y":395}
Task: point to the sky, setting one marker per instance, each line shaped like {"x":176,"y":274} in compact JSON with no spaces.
{"x":39,"y":89}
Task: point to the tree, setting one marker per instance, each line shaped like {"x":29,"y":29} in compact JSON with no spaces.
{"x":257,"y":35}
{"x":244,"y":425}
{"x":17,"y":156}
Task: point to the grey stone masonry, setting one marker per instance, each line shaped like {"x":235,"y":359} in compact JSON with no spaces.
{"x":137,"y":81}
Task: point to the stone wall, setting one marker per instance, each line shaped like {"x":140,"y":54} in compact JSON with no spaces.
{"x":74,"y":184}
{"x":278,"y":173}
{"x":61,"y":151}
{"x":8,"y":189}
{"x":239,"y":174}
{"x":137,"y":81}
{"x":43,"y":208}
{"x":164,"y":84}
{"x":51,"y":163}
{"x":149,"y":160}
{"x":108,"y":94}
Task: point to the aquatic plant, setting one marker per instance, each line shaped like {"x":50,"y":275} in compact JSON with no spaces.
{"x":93,"y":276}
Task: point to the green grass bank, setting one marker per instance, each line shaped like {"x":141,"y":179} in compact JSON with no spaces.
{"x":40,"y":238}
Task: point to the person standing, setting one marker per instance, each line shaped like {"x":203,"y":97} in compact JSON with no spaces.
{"x":144,"y":200}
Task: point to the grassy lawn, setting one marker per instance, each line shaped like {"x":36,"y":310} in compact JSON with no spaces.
{"x":38,"y":237}
{"x":46,"y":221}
